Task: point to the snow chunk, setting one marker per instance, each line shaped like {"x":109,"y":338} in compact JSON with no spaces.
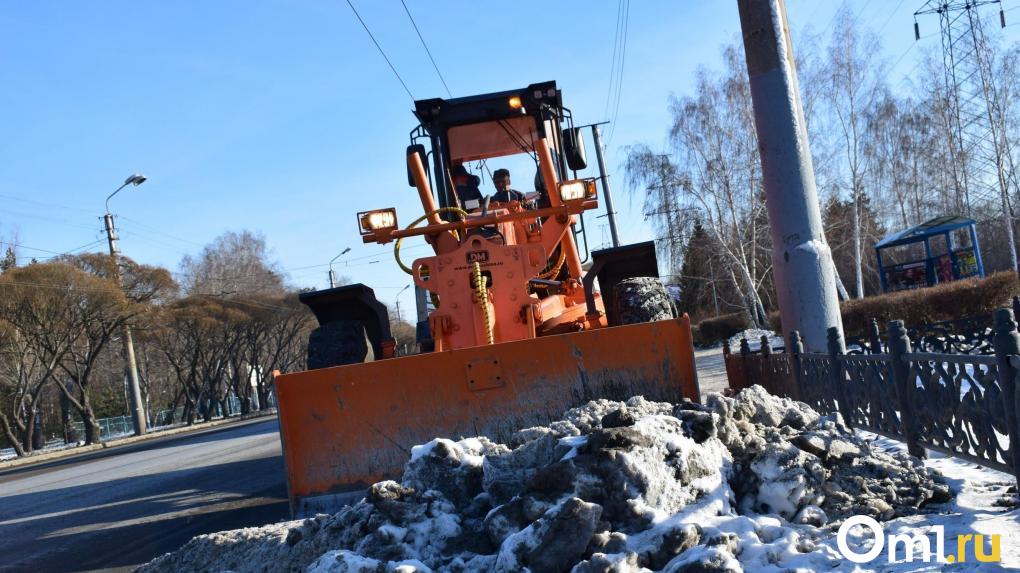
{"x":749,"y":483}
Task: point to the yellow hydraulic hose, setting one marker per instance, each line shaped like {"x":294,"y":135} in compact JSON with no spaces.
{"x":556,"y":268}
{"x":483,"y":299}
{"x":396,"y":248}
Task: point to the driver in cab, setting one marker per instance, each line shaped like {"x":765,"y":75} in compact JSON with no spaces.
{"x":504,"y":193}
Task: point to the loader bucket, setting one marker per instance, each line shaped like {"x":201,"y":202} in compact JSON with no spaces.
{"x":347,"y":427}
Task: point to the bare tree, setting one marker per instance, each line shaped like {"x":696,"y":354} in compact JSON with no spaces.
{"x":18,"y":376}
{"x":713,"y":176}
{"x":274,"y":339}
{"x":46,"y":307}
{"x":234,"y":264}
{"x":853,"y":88}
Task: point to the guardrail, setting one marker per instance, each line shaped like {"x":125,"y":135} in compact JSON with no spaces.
{"x":124,"y":425}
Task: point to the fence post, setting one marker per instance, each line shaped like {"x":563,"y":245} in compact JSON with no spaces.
{"x":732,"y":383}
{"x":835,"y":340}
{"x":899,"y":344}
{"x":1007,"y":343}
{"x":745,"y":351}
{"x":795,"y":350}
{"x":765,"y":370}
{"x":875,"y":337}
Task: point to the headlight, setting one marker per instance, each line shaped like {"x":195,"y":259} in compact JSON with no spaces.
{"x":577,"y":189}
{"x":378,"y":219}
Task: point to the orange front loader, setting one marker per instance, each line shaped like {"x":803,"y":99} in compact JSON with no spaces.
{"x":518,"y":332}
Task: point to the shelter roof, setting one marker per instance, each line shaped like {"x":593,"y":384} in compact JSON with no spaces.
{"x":917,"y":233}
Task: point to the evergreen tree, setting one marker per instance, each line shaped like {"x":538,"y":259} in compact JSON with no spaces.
{"x":9,"y":261}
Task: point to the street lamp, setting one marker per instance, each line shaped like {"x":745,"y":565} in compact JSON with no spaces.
{"x":332,"y":275}
{"x":400,"y":292}
{"x":130,"y":367}
{"x":136,"y":180}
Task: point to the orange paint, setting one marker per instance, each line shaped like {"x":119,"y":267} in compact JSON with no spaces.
{"x":346,"y":427}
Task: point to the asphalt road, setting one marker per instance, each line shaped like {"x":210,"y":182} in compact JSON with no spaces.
{"x":711,"y":370}
{"x":118,"y":508}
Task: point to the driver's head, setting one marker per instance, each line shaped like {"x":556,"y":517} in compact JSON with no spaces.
{"x":460,"y":175}
{"x":501,"y":179}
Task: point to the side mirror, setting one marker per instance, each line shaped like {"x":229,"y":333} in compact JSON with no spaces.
{"x":420,"y":150}
{"x":573,"y":149}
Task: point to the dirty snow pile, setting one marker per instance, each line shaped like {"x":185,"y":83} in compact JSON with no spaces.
{"x":750,"y":483}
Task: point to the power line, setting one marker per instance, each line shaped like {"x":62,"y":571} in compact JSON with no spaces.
{"x":54,"y":253}
{"x":45,"y":204}
{"x":64,"y":222}
{"x":155,"y":231}
{"x":889,"y":19}
{"x":866,"y":4}
{"x":612,"y":66}
{"x":375,"y":256}
{"x":832,"y":20}
{"x":427,"y":51}
{"x":619,"y":75}
{"x":381,"y":52}
{"x":71,"y":287}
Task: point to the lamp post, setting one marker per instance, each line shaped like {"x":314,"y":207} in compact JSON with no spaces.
{"x":130,"y":367}
{"x":400,"y":292}
{"x":332,"y":275}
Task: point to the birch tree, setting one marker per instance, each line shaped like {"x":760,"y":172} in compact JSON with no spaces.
{"x":712,"y":175}
{"x":852,"y":89}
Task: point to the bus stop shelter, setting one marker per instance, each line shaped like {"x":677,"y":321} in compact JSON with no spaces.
{"x":950,"y":252}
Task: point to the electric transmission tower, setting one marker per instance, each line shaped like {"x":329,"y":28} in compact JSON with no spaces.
{"x":982,"y":167}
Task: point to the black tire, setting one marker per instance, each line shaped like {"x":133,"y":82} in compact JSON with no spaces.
{"x":337,"y":343}
{"x":642,"y":299}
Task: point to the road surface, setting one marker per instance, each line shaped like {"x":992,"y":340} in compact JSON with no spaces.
{"x":711,"y":370}
{"x":117,"y":508}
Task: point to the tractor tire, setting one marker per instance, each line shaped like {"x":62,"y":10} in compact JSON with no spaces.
{"x":642,"y":299}
{"x":337,"y":343}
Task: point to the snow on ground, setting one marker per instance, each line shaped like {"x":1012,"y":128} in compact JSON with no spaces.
{"x":750,"y":483}
{"x":753,"y":336}
{"x":52,"y":446}
{"x":985,"y":503}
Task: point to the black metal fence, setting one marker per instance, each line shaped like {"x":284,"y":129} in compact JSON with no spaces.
{"x":968,"y":335}
{"x":962,"y":404}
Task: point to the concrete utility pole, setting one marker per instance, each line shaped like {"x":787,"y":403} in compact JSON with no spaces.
{"x":130,"y":367}
{"x":804,"y":274}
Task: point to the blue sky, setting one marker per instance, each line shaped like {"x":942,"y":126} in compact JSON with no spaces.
{"x":282,"y":118}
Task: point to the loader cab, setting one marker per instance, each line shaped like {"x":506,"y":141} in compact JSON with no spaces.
{"x":486,"y":131}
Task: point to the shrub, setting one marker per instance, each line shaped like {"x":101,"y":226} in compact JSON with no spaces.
{"x":947,"y":301}
{"x":714,"y":330}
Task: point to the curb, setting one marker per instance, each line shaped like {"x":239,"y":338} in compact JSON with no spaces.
{"x":45,"y":457}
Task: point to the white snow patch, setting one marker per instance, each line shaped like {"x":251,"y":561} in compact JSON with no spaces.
{"x":753,"y":336}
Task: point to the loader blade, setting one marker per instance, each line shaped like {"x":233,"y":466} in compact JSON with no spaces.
{"x":347,"y":427}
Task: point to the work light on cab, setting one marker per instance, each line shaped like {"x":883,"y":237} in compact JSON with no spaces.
{"x":577,"y":190}
{"x":377,"y":220}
